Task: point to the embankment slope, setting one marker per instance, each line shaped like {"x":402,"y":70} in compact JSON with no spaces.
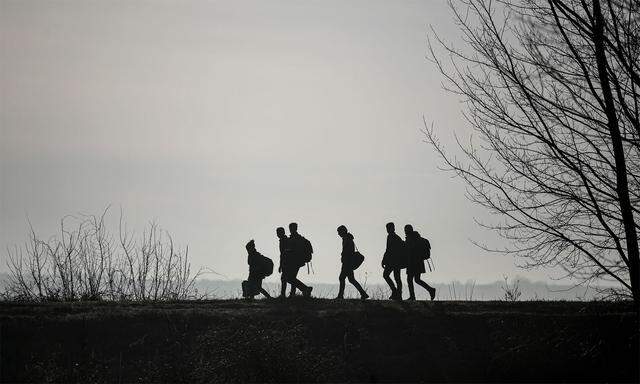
{"x":318,"y":341}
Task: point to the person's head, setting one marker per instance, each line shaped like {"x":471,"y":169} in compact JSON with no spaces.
{"x":408,"y":230}
{"x":391,"y":228}
{"x":280,"y":232}
{"x":293,"y":228}
{"x":251,"y":246}
{"x":342,"y":231}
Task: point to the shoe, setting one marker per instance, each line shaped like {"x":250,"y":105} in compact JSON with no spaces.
{"x":397,"y":296}
{"x":432,"y":293}
{"x":364,"y":296}
{"x":411,"y":298}
{"x":339,"y":297}
{"x":307,"y":293}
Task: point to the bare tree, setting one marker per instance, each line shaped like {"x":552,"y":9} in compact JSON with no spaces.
{"x":551,"y":88}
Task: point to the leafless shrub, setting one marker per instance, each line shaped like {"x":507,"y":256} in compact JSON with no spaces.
{"x":511,"y":292}
{"x":468,"y":290}
{"x":452,"y":291}
{"x":85,"y":261}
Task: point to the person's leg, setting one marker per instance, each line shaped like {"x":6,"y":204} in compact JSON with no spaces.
{"x":398,"y":279}
{"x":283,"y":284}
{"x":341,"y":278}
{"x":294,"y":281}
{"x":386,"y":275}
{"x":354,"y":282}
{"x":412,"y":295}
{"x":245,"y":292}
{"x":259,"y":289}
{"x":430,"y":289}
{"x":265,"y":293}
{"x":297,"y":284}
{"x":252,"y":287}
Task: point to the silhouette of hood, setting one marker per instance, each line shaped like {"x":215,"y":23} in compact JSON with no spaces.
{"x":348,"y":236}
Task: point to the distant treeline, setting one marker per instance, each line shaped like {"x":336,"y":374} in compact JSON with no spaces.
{"x":455,"y":290}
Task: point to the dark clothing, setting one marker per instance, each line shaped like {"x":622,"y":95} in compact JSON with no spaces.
{"x":416,"y":277}
{"x":415,"y":254}
{"x":253,"y":259}
{"x":296,"y":244}
{"x":348,"y":250}
{"x":292,"y":279}
{"x":285,"y":251}
{"x":290,"y":266}
{"x":253,"y":285}
{"x":346,"y":272}
{"x":396,"y":289}
{"x":395,"y":256}
{"x":394,"y":259}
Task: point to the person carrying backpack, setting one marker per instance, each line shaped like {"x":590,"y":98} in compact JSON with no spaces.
{"x":418,"y":250}
{"x":288,"y":266}
{"x":394,"y":260}
{"x":301,"y":251}
{"x":259,"y":267}
{"x":349,"y":259}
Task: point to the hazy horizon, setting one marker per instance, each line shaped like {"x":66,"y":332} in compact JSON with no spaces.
{"x":225,"y":120}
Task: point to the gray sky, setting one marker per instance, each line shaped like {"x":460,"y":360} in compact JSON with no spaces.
{"x":226,"y":119}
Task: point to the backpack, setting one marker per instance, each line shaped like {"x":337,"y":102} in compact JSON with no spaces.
{"x":307,"y":250}
{"x":426,"y":248}
{"x":265,"y":266}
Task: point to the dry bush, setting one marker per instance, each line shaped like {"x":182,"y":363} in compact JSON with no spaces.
{"x":85,"y":261}
{"x":511,"y":292}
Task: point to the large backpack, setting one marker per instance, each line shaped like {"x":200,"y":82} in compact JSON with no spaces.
{"x":426,"y":248}
{"x":265,"y":266}
{"x":306,"y":250}
{"x":426,"y":253}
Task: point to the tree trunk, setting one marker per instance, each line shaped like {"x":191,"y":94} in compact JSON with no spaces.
{"x":622,"y":185}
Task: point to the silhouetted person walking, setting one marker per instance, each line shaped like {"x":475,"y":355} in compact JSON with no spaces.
{"x":301,"y":251}
{"x":394,"y":259}
{"x":288,"y":266}
{"x":259,"y":267}
{"x":348,"y":260}
{"x":416,"y":252}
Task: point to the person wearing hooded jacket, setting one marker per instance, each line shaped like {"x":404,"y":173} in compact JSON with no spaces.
{"x":253,"y":285}
{"x":415,"y":265}
{"x":288,"y":266}
{"x":393,"y":261}
{"x":347,"y":259}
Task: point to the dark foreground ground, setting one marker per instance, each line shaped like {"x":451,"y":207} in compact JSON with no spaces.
{"x":318,"y":341}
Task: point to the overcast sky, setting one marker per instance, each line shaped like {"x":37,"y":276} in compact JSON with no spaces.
{"x":225,"y":119}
